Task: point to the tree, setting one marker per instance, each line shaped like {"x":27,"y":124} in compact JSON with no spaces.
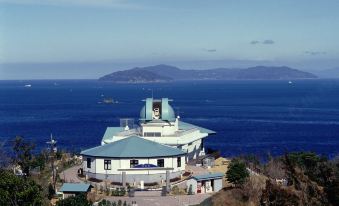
{"x":51,"y":191}
{"x":4,"y":160}
{"x":237,"y":173}
{"x":23,"y":154}
{"x":16,"y":190}
{"x":78,"y":200}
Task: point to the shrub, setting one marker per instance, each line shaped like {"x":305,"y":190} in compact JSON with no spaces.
{"x":51,"y":191}
{"x":190,"y":190}
{"x":92,"y":179}
{"x":119,"y":192}
{"x":150,"y":184}
{"x":237,"y":173}
{"x":175,"y":179}
{"x":78,"y":200}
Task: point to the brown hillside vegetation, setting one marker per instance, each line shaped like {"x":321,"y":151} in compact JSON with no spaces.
{"x":308,"y":179}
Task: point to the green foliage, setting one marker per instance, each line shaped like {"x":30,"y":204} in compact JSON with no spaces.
{"x":51,"y":191}
{"x":78,"y":200}
{"x":119,"y":203}
{"x":119,"y":192}
{"x":315,"y":167}
{"x":237,"y":172}
{"x":40,"y":160}
{"x":16,"y":190}
{"x":190,"y":190}
{"x":23,"y":154}
{"x":305,"y":160}
{"x":105,"y":202}
{"x":58,"y":155}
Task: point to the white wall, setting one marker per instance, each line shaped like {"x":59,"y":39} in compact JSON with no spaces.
{"x":97,"y":165}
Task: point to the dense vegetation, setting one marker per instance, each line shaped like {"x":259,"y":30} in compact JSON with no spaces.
{"x":294,"y":179}
{"x":15,"y":190}
{"x":25,"y":176}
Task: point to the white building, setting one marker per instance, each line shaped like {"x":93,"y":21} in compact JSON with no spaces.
{"x":158,"y":123}
{"x":206,"y":183}
{"x":161,"y":144}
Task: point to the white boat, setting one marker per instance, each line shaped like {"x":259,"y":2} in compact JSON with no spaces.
{"x":290,"y":82}
{"x":28,"y":85}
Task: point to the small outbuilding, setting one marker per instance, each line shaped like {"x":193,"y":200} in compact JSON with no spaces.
{"x":72,"y":189}
{"x":206,"y":183}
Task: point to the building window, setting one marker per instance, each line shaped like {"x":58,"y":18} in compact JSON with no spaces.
{"x":160,"y":162}
{"x":179,"y":162}
{"x":88,"y":162}
{"x":107,"y":164}
{"x":152,"y":134}
{"x":133,"y":163}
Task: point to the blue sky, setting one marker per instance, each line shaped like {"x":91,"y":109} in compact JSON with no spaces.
{"x":188,"y":33}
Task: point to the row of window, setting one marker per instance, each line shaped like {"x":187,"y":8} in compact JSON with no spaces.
{"x":152,"y":134}
{"x":133,"y":163}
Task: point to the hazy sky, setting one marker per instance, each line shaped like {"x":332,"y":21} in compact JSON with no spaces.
{"x":189,"y":33}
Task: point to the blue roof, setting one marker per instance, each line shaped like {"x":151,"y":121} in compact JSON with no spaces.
{"x":209,"y":176}
{"x":75,"y":187}
{"x":133,"y":147}
{"x":185,"y":126}
{"x":111,"y":131}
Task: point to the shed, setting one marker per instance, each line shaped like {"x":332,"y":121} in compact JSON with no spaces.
{"x":205,"y":183}
{"x":72,"y":189}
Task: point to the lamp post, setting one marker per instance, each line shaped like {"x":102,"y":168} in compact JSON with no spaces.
{"x":52,"y":150}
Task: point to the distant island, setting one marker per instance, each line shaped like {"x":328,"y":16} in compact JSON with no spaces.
{"x":166,"y":73}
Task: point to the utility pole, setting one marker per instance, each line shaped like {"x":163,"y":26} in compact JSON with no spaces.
{"x":52,"y":152}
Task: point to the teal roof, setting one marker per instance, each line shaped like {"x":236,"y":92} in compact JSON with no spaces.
{"x":133,"y":147}
{"x":185,"y":126}
{"x":75,"y":187}
{"x":111,"y":131}
{"x":209,"y":176}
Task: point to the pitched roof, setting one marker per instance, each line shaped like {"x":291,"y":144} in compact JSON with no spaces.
{"x":75,"y":187}
{"x":132,"y":147}
{"x":111,"y":131}
{"x":209,"y":176}
{"x":185,"y":126}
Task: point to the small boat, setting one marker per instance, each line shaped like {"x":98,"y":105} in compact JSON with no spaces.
{"x":28,"y":85}
{"x":108,"y":101}
{"x":290,"y":82}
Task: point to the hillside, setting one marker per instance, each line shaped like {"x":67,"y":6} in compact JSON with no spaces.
{"x":136,"y":75}
{"x":161,"y":73}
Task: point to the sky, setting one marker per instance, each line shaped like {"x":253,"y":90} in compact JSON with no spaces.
{"x":90,"y":38}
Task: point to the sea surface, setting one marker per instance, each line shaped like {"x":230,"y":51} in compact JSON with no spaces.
{"x":250,"y":117}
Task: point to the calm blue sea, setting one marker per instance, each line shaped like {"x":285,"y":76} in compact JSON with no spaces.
{"x":256,"y":117}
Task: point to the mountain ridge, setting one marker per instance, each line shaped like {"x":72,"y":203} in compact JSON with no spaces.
{"x":165,"y":73}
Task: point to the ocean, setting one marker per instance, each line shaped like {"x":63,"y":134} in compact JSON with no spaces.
{"x":250,"y":117}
